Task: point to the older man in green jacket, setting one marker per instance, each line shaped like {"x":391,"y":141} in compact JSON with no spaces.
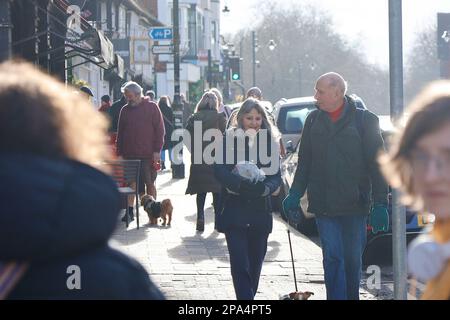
{"x":337,"y":167}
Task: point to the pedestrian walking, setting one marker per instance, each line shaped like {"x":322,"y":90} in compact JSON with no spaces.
{"x":226,"y":110}
{"x":54,"y":239}
{"x":167,"y":113}
{"x":201,"y":177}
{"x":187,"y":109}
{"x":338,"y":168}
{"x":113,"y":113}
{"x":151,"y":94}
{"x":246,"y":209}
{"x":419,"y":164}
{"x":105,"y":103}
{"x":140,"y":136}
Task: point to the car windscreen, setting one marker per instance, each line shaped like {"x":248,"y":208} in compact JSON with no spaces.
{"x":291,"y":119}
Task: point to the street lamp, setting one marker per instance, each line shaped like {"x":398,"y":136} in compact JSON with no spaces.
{"x":254,"y":45}
{"x":272,"y":45}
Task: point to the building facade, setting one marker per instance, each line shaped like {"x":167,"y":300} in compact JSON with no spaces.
{"x":199,"y":27}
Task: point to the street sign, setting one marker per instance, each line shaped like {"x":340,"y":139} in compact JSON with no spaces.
{"x":160,"y":33}
{"x":167,"y":49}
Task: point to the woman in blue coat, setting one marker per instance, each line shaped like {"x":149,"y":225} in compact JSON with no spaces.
{"x":246,"y":212}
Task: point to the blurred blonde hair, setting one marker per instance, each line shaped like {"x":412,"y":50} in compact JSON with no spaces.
{"x":39,"y":115}
{"x":427,"y":113}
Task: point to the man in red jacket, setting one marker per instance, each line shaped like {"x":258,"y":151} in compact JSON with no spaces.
{"x":140,"y":135}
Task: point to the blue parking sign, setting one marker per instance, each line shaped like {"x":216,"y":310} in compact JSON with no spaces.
{"x":161,"y":33}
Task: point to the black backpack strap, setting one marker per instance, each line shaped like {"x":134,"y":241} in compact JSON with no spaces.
{"x":359,"y":121}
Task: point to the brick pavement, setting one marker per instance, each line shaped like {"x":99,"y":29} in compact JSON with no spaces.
{"x":190,"y":265}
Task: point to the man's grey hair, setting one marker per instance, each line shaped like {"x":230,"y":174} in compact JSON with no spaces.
{"x":132,"y":87}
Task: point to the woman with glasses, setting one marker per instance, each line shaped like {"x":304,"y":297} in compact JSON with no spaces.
{"x":419,"y":164}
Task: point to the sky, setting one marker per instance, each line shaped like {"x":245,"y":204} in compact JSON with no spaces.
{"x":365,"y":20}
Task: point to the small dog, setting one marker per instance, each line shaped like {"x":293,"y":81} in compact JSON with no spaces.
{"x":297,"y":295}
{"x":156,"y":210}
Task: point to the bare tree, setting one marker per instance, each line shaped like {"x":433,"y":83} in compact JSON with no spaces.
{"x":422,"y":63}
{"x":307,"y":46}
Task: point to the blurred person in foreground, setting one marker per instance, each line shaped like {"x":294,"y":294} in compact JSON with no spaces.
{"x":62,"y":207}
{"x":419,"y":164}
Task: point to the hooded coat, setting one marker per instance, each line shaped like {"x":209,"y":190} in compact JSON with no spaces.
{"x":58,"y":217}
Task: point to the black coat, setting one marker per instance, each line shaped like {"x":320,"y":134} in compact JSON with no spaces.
{"x":201,"y":176}
{"x":337,"y":166}
{"x":114,"y":112}
{"x":238,"y":211}
{"x":60,"y":213}
{"x":167,"y":114}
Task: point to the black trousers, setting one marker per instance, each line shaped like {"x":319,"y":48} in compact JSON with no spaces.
{"x":247,"y":249}
{"x":201,"y":197}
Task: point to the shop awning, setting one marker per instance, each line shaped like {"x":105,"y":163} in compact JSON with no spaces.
{"x":93,"y":46}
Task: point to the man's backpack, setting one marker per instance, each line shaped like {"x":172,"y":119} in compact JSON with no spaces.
{"x":359,"y":119}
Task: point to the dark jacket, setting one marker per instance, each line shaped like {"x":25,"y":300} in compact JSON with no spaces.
{"x":167,"y":114}
{"x":201,"y":177}
{"x":237,"y":210}
{"x":61,"y":213}
{"x":141,"y":130}
{"x":114,"y":112}
{"x":337,"y":166}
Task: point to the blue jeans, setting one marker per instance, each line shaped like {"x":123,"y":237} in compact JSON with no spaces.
{"x":163,"y":155}
{"x":343,"y":240}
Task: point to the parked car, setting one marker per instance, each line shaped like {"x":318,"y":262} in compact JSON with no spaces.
{"x":378,"y":245}
{"x":290,"y":116}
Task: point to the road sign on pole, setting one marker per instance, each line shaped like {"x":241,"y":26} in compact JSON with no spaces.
{"x":396,"y":96}
{"x":166,"y":49}
{"x":161,"y":33}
